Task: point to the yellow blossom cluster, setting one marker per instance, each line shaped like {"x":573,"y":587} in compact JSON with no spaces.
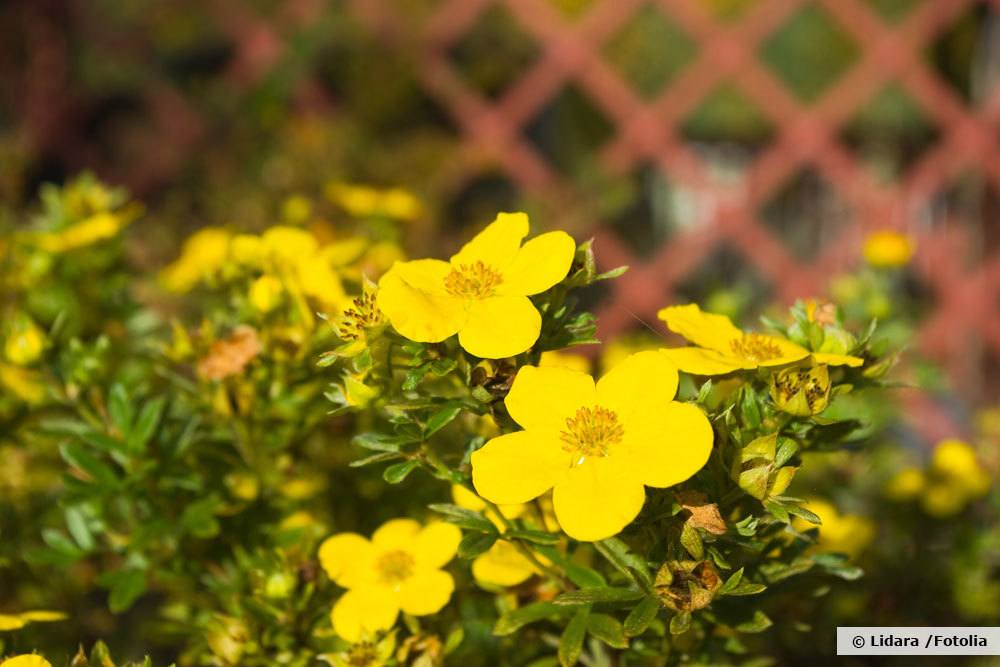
{"x":953,"y":479}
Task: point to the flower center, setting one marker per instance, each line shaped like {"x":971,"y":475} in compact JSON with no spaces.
{"x":475,"y":281}
{"x":395,"y":566}
{"x":363,"y":654}
{"x":362,"y":314}
{"x":755,"y":347}
{"x":591,"y":432}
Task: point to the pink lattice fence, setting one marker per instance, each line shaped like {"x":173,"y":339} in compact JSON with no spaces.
{"x":965,"y":295}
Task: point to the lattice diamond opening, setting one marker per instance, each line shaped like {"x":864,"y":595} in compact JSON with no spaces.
{"x":477,"y":55}
{"x":810,"y":52}
{"x":649,"y":51}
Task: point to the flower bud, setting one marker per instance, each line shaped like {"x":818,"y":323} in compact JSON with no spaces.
{"x":801,"y":391}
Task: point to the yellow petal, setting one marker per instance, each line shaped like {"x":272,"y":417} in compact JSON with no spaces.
{"x":289,"y":245}
{"x":26,"y":661}
{"x":319,"y":280}
{"x":544,"y":397}
{"x":560,"y":359}
{"x":502,"y":565}
{"x":427,"y":275}
{"x":364,"y":611}
{"x":539,"y":264}
{"x":426,"y":592}
{"x":701,"y":361}
{"x":598,"y":498}
{"x":436,"y":544}
{"x":705,"y":329}
{"x":641,"y":384}
{"x":837,"y":359}
{"x":470,"y":501}
{"x":518,"y":467}
{"x":788,"y":351}
{"x":419,"y":315}
{"x":43,"y":616}
{"x":497,"y":245}
{"x":11,"y":622}
{"x":500,"y":326}
{"x":670,"y":444}
{"x":396,"y":534}
{"x":348,"y":559}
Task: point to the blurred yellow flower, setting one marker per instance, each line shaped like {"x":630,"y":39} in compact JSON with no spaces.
{"x":25,"y":341}
{"x":362,"y":201}
{"x":482,"y":294}
{"x":265,"y":293}
{"x":24,"y":383}
{"x":905,"y":484}
{"x":843,"y":533}
{"x":722,"y":348}
{"x":398,"y":569}
{"x":98,"y":227}
{"x":888,"y":249}
{"x":502,"y":564}
{"x":26,"y":661}
{"x":596,"y":446}
{"x":203,"y":254}
{"x":18,"y":621}
{"x":559,"y":359}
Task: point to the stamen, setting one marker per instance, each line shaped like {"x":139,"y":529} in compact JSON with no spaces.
{"x":755,"y":347}
{"x":473,"y":281}
{"x":591,"y":432}
{"x":395,"y":566}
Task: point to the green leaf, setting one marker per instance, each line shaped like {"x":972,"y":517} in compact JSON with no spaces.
{"x":381,"y":442}
{"x":514,"y":620}
{"x":442,"y":418}
{"x":120,"y":408}
{"x":77,"y":525}
{"x":608,"y":629}
{"x":60,"y":543}
{"x":621,"y":557}
{"x":750,"y":407}
{"x":758,"y":623}
{"x":571,"y":642}
{"x":691,"y":541}
{"x":145,"y":425}
{"x":375,"y":458}
{"x":414,"y":377}
{"x":732,"y":582}
{"x":475,"y":544}
{"x":126,"y":586}
{"x":464,"y":518}
{"x":535,"y":536}
{"x":441,"y":367}
{"x":641,"y":616}
{"x":581,"y":575}
{"x":680,"y":623}
{"x":97,"y":470}
{"x":589,"y":596}
{"x":745,"y":588}
{"x":396,"y":473}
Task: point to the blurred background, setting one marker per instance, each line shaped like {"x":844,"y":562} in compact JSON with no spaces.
{"x":734,"y":152}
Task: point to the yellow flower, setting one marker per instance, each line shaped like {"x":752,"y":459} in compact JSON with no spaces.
{"x":265,"y":293}
{"x":362,"y":201}
{"x":398,"y":569}
{"x":25,"y":342}
{"x":722,"y":348}
{"x":24,"y":383}
{"x":888,"y":249}
{"x":26,"y":661}
{"x":559,"y":359}
{"x":843,"y":533}
{"x":18,"y":621}
{"x":482,"y":294}
{"x":203,"y":254}
{"x":956,"y":460}
{"x":248,"y":250}
{"x":95,"y":228}
{"x":502,"y":564}
{"x":596,"y":446}
{"x":289,"y":245}
{"x":905,"y":484}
